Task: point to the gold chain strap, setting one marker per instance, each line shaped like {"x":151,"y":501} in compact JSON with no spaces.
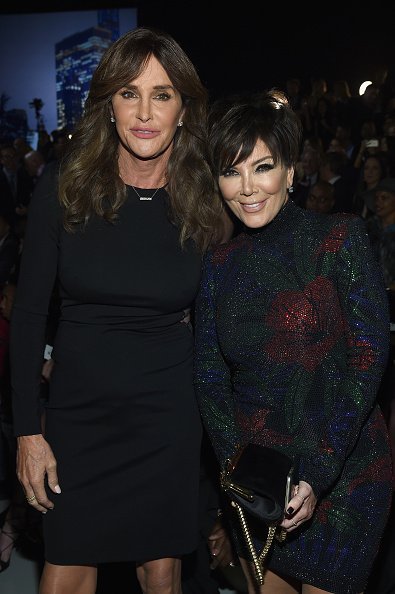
{"x":257,"y":560}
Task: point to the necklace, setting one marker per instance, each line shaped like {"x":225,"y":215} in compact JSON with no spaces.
{"x":145,"y":197}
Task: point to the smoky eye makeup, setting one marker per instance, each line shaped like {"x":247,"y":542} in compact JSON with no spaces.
{"x":265,"y":166}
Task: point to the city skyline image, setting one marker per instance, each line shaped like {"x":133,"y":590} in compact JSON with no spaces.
{"x":51,"y":56}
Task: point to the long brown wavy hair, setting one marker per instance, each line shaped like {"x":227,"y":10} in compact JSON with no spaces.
{"x":89,"y":181}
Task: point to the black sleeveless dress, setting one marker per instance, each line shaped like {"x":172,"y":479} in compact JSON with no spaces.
{"x":121,"y":417}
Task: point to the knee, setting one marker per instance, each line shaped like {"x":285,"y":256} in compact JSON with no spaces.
{"x":68,"y":579}
{"x":154,"y":581}
{"x":161,"y":576}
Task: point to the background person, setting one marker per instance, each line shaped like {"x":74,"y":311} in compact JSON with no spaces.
{"x":374,"y":169}
{"x":9,"y":249}
{"x":16,"y":188}
{"x":381,"y":228}
{"x":292,"y":340}
{"x":123,"y":229}
{"x":321,"y":197}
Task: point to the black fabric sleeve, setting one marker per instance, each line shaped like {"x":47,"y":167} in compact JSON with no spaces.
{"x":30,"y":312}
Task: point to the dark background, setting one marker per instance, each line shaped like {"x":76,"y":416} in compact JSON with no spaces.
{"x":242,"y":45}
{"x":246,"y":47}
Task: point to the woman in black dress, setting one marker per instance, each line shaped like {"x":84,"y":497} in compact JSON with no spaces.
{"x":122,"y":226}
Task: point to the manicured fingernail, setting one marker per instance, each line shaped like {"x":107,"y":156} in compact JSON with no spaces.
{"x":290,"y":511}
{"x":57,"y":489}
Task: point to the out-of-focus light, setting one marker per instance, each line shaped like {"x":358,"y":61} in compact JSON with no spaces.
{"x":363,"y":86}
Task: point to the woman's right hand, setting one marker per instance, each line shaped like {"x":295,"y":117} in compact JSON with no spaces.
{"x":300,"y":508}
{"x":35,"y":463}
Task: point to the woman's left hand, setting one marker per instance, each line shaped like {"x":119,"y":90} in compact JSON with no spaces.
{"x":300,"y":508}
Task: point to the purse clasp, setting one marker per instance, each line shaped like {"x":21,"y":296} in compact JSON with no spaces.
{"x":228,"y":485}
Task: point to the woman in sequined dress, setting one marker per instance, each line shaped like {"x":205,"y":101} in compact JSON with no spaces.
{"x":292,"y":339}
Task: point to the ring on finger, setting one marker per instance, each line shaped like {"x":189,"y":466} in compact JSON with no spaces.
{"x":30,"y":499}
{"x":294,"y":523}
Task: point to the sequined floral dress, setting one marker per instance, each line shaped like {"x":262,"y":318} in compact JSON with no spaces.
{"x":292,"y":337}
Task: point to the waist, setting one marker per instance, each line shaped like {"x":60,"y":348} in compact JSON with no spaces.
{"x":127,"y":317}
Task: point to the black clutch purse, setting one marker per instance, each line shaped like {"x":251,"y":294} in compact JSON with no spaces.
{"x":258,"y":481}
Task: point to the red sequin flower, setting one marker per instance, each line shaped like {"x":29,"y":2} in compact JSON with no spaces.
{"x":306,"y":324}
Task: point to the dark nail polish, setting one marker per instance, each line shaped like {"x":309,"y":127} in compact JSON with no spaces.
{"x":290,"y":511}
